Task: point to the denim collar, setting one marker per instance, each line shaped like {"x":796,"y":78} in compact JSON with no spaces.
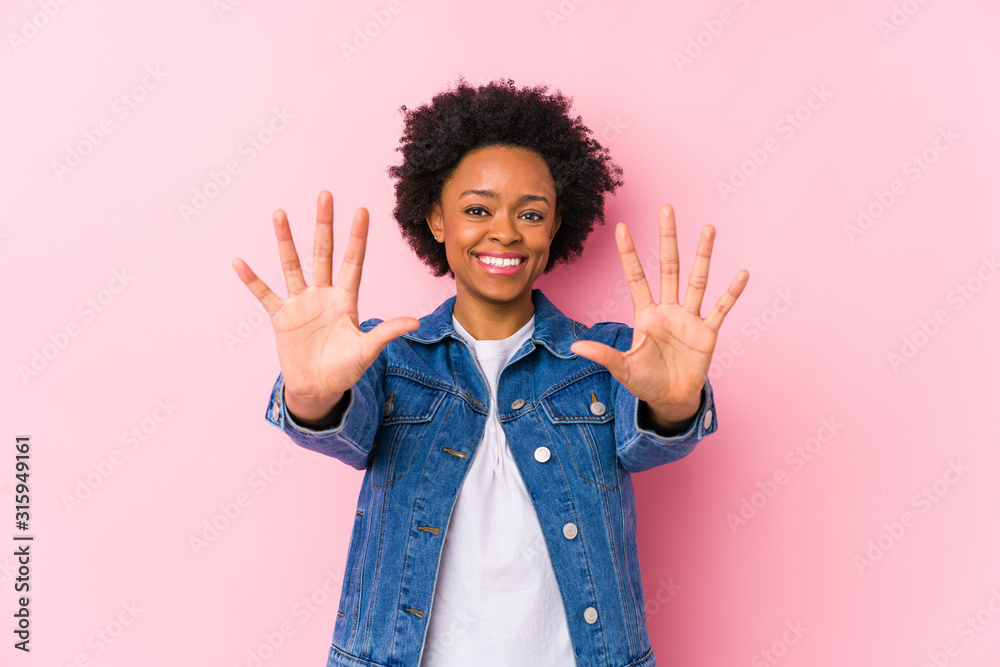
{"x":552,"y":329}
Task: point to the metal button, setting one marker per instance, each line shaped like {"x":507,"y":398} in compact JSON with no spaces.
{"x":708,"y":418}
{"x":597,"y":408}
{"x":387,"y":410}
{"x":590,"y":615}
{"x":569,"y":531}
{"x":518,"y":404}
{"x":542,"y":454}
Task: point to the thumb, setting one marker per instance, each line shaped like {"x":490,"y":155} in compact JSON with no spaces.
{"x":385,"y":332}
{"x":605,"y":355}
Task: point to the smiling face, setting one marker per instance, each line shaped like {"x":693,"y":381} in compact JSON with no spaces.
{"x":497,"y":219}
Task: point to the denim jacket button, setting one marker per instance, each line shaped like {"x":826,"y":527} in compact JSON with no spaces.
{"x":590,"y":615}
{"x":597,"y":408}
{"x":569,"y":532}
{"x":518,"y":404}
{"x":542,"y":454}
{"x":387,"y":410}
{"x":708,"y":418}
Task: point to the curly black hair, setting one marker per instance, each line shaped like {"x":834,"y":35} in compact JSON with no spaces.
{"x":438,"y":135}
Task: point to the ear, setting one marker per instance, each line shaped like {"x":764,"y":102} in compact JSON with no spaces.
{"x":435,"y":220}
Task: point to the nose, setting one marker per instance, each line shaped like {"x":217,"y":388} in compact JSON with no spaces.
{"x":503,"y":228}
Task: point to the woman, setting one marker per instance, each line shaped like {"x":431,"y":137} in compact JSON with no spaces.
{"x":496,"y":520}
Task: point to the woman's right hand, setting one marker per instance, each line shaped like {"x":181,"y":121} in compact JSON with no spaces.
{"x":321,"y":349}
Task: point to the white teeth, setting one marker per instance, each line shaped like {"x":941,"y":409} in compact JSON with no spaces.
{"x":497,"y":261}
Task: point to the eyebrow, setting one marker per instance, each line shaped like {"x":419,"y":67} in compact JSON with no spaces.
{"x":492,"y":194}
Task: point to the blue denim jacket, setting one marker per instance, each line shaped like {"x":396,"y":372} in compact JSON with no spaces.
{"x":414,"y":421}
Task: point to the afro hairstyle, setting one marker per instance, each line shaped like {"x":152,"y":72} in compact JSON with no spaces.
{"x":437,"y":136}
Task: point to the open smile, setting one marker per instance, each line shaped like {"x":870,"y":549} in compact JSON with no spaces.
{"x":501,"y":266}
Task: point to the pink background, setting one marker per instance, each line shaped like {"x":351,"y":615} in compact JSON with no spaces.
{"x":843,"y":546}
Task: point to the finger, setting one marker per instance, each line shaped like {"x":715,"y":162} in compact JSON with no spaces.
{"x":286,"y":251}
{"x":727,"y":300}
{"x":699,"y":272}
{"x":670,"y":266}
{"x":271,"y":301}
{"x":634,"y":275}
{"x":384,"y":333}
{"x":605,"y":355}
{"x":323,"y":241}
{"x":354,"y":257}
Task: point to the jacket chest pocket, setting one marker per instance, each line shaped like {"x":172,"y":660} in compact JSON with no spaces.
{"x":583,"y":421}
{"x":407,"y":418}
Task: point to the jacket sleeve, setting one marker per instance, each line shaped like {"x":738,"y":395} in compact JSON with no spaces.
{"x":641,"y":448}
{"x":350,"y":440}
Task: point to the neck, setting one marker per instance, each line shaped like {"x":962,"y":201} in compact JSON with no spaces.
{"x":491,"y":320}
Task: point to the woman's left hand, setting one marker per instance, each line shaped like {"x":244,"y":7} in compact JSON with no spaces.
{"x":671,"y":344}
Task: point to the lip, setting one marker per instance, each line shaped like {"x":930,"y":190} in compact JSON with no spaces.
{"x":501,"y":270}
{"x":501,"y":255}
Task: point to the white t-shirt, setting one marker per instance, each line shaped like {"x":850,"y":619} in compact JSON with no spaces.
{"x":496,"y":601}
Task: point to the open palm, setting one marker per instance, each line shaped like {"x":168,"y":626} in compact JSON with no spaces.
{"x":672,"y":345}
{"x":321,"y":348}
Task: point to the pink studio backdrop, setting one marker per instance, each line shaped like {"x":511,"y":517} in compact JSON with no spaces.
{"x":844,"y":513}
